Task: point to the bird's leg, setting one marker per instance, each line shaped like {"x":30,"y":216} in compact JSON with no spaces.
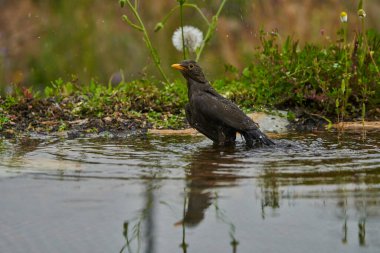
{"x":221,"y":136}
{"x":226,"y":136}
{"x":249,"y":141}
{"x":230,"y":136}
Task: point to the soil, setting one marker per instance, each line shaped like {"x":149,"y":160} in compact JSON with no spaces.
{"x":48,"y":117}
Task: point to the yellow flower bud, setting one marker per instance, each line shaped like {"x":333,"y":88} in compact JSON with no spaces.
{"x":343,"y":17}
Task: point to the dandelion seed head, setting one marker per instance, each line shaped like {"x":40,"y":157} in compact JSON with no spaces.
{"x":343,"y":17}
{"x":193,"y":38}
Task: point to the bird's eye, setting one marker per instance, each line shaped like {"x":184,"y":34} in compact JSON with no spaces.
{"x":191,"y":66}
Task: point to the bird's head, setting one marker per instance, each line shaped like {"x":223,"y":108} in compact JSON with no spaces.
{"x":190,"y":70}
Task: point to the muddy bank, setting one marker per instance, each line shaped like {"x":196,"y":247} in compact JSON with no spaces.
{"x":277,"y":124}
{"x":49,"y":117}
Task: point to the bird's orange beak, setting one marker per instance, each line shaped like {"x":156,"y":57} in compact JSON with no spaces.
{"x":178,"y":66}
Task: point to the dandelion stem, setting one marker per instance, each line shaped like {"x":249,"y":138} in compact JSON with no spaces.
{"x":182,"y":35}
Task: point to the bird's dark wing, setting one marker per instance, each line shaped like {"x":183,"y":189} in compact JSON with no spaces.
{"x":219,"y":109}
{"x":200,"y":125}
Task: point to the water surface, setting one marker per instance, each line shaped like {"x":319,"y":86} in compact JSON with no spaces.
{"x":311,"y":193}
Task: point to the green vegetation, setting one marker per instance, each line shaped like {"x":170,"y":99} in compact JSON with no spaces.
{"x":336,"y":82}
{"x":322,"y":80}
{"x":3,"y":120}
{"x":289,"y":76}
{"x":333,"y":81}
{"x":66,"y":105}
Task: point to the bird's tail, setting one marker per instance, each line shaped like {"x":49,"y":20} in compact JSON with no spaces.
{"x":255,"y":136}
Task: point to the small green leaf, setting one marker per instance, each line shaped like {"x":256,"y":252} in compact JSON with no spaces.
{"x":122,"y":3}
{"x":158,"y":26}
{"x":48,"y":91}
{"x":291,"y":116}
{"x":246,"y":72}
{"x":126,"y":19}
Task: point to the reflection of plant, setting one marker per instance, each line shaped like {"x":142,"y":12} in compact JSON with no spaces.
{"x":361,"y":226}
{"x":220,"y":215}
{"x":136,"y":235}
{"x":183,"y":244}
{"x":145,"y":216}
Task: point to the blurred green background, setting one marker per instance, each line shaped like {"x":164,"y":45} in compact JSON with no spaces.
{"x":42,"y":40}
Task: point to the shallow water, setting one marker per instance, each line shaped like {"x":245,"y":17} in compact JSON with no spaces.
{"x":311,"y":193}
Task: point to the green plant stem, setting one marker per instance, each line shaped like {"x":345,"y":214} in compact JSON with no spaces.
{"x":367,"y":49}
{"x":199,"y":11}
{"x":133,"y":25}
{"x":183,"y":37}
{"x":170,"y":13}
{"x":211,"y":30}
{"x":211,"y":25}
{"x":364,"y":89}
{"x":345,"y":46}
{"x":344,"y":90}
{"x":153,"y":52}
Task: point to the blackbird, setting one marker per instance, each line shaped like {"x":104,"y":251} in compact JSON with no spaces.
{"x":213,"y":115}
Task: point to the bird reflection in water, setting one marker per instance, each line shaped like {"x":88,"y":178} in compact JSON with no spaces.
{"x":209,"y":168}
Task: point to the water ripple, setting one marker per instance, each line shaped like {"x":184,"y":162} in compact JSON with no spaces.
{"x":295,"y":156}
